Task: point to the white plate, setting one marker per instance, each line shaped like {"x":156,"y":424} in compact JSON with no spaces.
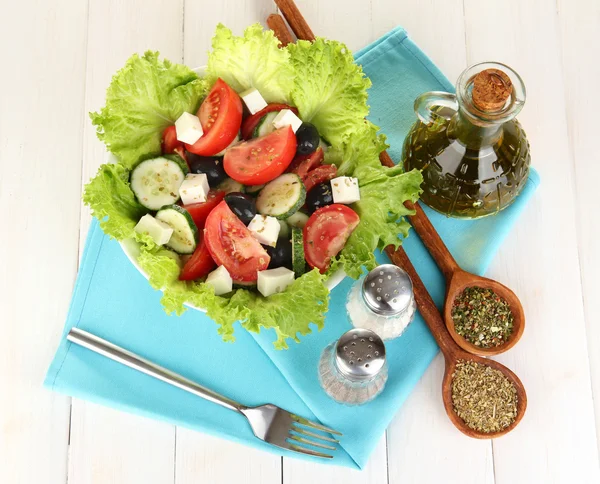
{"x":132,"y":248}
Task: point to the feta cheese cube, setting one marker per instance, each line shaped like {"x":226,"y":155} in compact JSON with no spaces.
{"x":286,"y":117}
{"x":345,"y":190}
{"x":194,"y":188}
{"x":273,"y":281}
{"x":188,"y":128}
{"x":253,"y":100}
{"x":220,"y":280}
{"x":158,"y":230}
{"x":265,"y":229}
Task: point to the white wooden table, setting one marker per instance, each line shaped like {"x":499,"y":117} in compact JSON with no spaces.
{"x":57,"y":59}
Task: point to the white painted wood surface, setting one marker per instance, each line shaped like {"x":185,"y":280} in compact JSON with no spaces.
{"x":58,"y":57}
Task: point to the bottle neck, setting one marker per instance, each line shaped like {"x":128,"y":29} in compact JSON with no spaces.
{"x":473,"y":136}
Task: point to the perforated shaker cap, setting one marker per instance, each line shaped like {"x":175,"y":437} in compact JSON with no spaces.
{"x":387,"y":290}
{"x":359,"y":354}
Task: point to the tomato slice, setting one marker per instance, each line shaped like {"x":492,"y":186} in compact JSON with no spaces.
{"x":262,"y":159}
{"x":221,"y":117}
{"x":198,"y":265}
{"x":252,"y":121}
{"x":200,"y":211}
{"x":301,"y":165}
{"x":231,"y":244}
{"x":320,"y":174}
{"x":169,"y":142}
{"x":326,"y":233}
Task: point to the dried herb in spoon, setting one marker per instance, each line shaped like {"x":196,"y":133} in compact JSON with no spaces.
{"x":483,"y":397}
{"x":482,"y":317}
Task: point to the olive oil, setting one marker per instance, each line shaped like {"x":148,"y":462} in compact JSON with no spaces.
{"x":474,"y":160}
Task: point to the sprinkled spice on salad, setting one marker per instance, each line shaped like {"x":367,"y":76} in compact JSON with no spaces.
{"x":482,"y":317}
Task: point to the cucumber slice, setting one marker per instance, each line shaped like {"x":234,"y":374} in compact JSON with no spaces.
{"x":185,"y":232}
{"x":234,"y":142}
{"x":229,"y":185}
{"x":298,"y":220}
{"x":265,"y":125}
{"x":284,"y":230}
{"x":281,"y":197}
{"x":254,"y":189}
{"x":156,"y":182}
{"x":298,"y":261}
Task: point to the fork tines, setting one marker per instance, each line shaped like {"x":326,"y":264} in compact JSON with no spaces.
{"x":301,"y":439}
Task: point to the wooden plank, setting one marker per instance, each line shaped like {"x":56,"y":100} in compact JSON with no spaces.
{"x":555,"y":442}
{"x":41,"y":99}
{"x":578,"y":24}
{"x":107,"y":445}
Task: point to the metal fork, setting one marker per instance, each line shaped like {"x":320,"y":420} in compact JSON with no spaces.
{"x":269,"y":422}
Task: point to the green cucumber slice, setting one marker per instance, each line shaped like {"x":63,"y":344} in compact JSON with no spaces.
{"x":229,"y":185}
{"x":298,"y":220}
{"x":298,"y":261}
{"x":265,"y":125}
{"x":234,"y":142}
{"x":284,"y":230}
{"x":185,"y":233}
{"x":281,"y":197}
{"x":155,"y":182}
{"x":254,"y":189}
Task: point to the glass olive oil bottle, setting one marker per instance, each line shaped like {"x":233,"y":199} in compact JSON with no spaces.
{"x":473,"y":154}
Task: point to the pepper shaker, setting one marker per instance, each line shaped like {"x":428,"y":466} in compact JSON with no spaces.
{"x":382,"y":302}
{"x":353,"y":370}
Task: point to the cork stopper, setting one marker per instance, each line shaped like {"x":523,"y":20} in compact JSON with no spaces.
{"x":491,"y":89}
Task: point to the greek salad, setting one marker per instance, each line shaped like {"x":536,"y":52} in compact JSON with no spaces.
{"x":248,"y":187}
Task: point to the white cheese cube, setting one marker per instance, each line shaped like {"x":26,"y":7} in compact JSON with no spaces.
{"x":273,"y":281}
{"x":220,"y":280}
{"x":265,"y":229}
{"x":345,"y":190}
{"x":188,"y":128}
{"x":253,"y":100}
{"x":194,"y":188}
{"x":286,"y":117}
{"x":157,"y":229}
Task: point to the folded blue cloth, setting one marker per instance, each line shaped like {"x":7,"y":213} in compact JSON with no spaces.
{"x":111,"y":299}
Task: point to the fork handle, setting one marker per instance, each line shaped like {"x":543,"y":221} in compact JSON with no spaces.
{"x":127,"y":358}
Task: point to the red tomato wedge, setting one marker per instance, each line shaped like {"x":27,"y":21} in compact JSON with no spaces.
{"x":320,"y":174}
{"x":200,"y":211}
{"x":231,"y":244}
{"x":198,"y":265}
{"x":326,"y":233}
{"x":169,"y":142}
{"x":301,"y":165}
{"x":252,"y":121}
{"x":221,"y":117}
{"x":262,"y":159}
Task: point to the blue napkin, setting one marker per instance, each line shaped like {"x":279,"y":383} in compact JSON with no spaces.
{"x":111,"y":299}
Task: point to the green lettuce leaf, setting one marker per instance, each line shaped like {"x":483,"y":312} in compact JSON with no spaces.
{"x":381,"y":209}
{"x":254,"y":60}
{"x":330,"y":89}
{"x":112,"y":202}
{"x":145,"y":97}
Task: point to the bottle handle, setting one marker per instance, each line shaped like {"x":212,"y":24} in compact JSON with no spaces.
{"x":425,"y":103}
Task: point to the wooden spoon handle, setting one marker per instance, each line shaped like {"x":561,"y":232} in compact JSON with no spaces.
{"x":295,"y":19}
{"x":425,"y":303}
{"x":432,"y":240}
{"x":277,"y":25}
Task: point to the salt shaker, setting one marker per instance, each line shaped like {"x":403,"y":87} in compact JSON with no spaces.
{"x":353,"y":370}
{"x":382,"y":302}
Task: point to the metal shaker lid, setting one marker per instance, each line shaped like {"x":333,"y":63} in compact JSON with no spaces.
{"x":387,"y":290}
{"x":360,"y":354}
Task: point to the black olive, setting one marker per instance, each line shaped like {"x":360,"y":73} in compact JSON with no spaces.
{"x":319,"y":196}
{"x":281,"y":254}
{"x":307,"y":138}
{"x":242,"y":205}
{"x":211,"y":166}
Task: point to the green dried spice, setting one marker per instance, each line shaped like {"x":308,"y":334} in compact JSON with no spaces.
{"x":483,"y":397}
{"x":482,"y":317}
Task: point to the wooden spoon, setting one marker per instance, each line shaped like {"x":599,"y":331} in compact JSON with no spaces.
{"x":457,"y":280}
{"x":452,"y":353}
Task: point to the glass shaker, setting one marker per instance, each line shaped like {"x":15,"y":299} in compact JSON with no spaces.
{"x":353,"y":370}
{"x":382,"y":302}
{"x":473,"y":153}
